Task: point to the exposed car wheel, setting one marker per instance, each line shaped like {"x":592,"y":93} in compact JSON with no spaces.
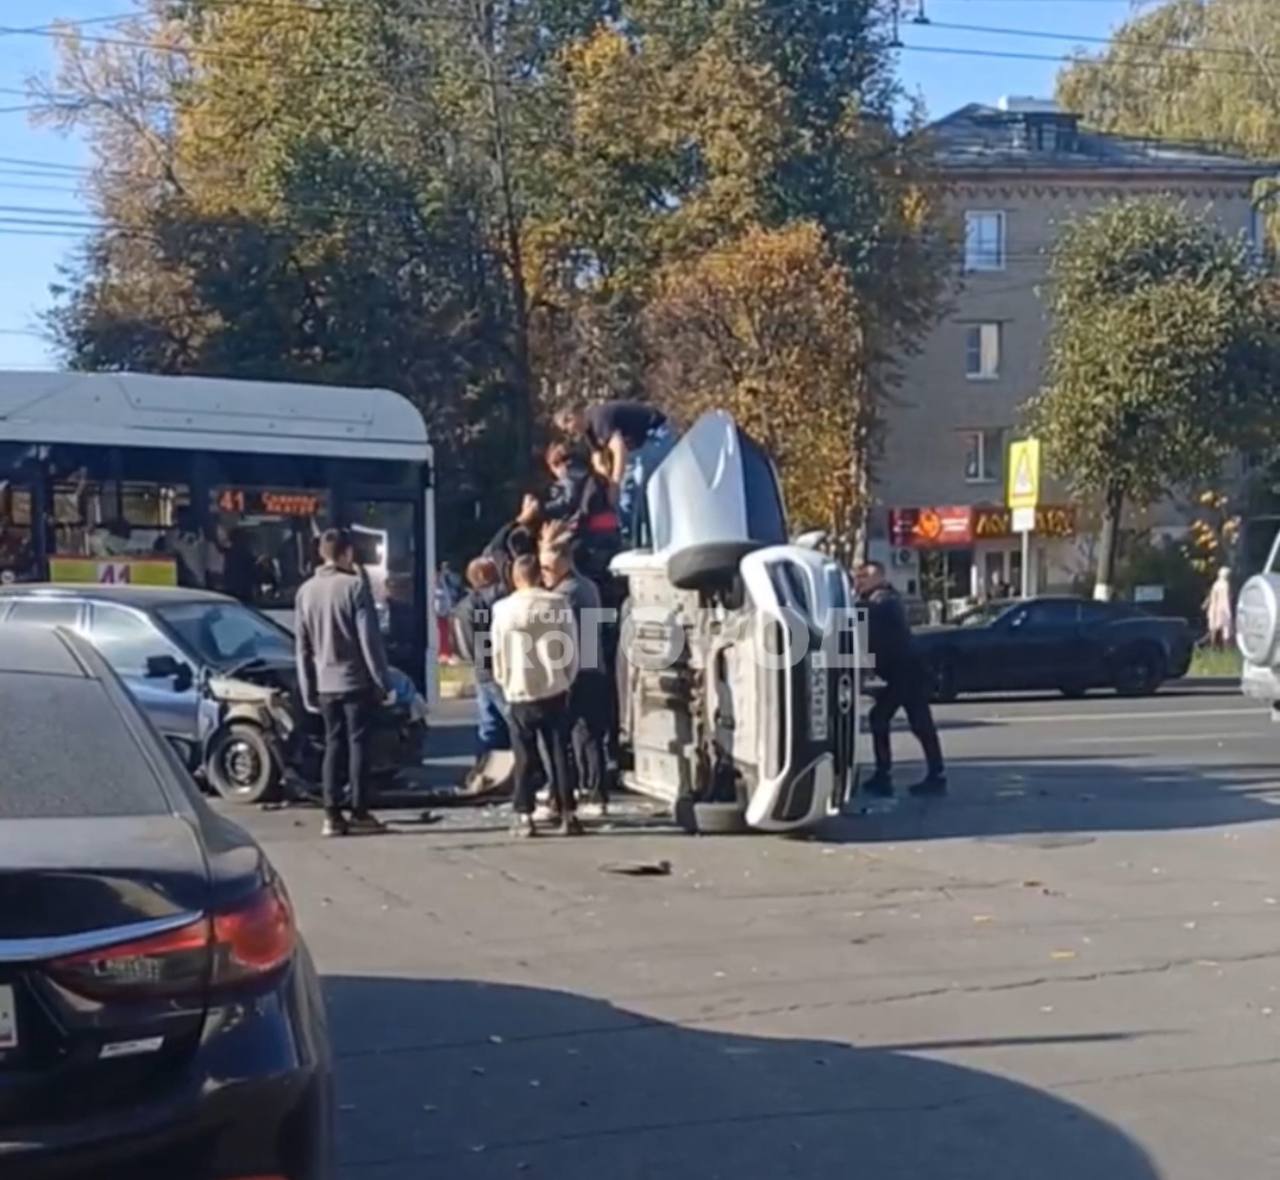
{"x":942,"y":675}
{"x":1073,"y":692}
{"x":710,"y":819}
{"x":710,"y":566}
{"x":1139,"y":672}
{"x":241,"y":766}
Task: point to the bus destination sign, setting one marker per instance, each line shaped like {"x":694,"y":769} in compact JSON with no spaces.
{"x":245,"y":501}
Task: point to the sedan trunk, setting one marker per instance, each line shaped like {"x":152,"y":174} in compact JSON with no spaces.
{"x":104,"y":963}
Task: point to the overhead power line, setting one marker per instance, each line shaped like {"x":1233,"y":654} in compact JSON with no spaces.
{"x":1112,"y":42}
{"x":37,"y":30}
{"x":1067,"y":59}
{"x":196,"y":52}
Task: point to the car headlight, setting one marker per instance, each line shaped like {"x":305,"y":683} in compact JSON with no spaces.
{"x":819,"y":706}
{"x":282,"y":715}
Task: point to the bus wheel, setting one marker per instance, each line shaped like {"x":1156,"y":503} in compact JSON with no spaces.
{"x":241,"y":767}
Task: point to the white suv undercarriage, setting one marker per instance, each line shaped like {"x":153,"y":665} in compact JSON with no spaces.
{"x":738,"y":685}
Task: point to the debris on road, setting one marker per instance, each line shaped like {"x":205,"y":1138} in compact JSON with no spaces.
{"x":638,"y":868}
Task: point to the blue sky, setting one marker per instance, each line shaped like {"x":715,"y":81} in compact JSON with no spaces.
{"x":946,"y":80}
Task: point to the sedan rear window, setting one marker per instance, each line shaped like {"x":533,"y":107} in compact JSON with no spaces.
{"x":65,"y":752}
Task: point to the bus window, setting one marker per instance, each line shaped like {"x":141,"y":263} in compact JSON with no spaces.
{"x":17,"y":553}
{"x":386,"y":546}
{"x":87,"y":520}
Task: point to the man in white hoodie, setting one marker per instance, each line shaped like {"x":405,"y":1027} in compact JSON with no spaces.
{"x":535,"y":660}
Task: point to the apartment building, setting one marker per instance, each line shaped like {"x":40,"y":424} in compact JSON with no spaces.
{"x":1012,"y":175}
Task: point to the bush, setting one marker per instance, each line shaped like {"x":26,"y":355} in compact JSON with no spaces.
{"x":1165,"y":564}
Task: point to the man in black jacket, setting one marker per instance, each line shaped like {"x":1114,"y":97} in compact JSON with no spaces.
{"x":906,"y":685}
{"x":589,"y":698}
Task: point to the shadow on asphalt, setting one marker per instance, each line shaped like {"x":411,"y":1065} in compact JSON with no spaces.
{"x":1202,"y":687}
{"x":471,"y":1081}
{"x":1049,"y":795}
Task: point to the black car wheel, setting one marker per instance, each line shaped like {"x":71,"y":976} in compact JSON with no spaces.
{"x":1139,"y":672}
{"x":710,"y":819}
{"x":241,"y":766}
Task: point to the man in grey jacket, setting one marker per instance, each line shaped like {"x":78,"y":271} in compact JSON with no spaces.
{"x":342,"y":675}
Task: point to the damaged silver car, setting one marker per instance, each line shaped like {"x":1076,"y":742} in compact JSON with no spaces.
{"x":218,"y":680}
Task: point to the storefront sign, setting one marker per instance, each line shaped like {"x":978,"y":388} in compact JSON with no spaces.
{"x":1052,"y":520}
{"x":931,"y":527}
{"x":114,"y":571}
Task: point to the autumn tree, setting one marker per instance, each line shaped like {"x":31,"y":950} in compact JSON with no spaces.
{"x":696,"y":126}
{"x":1163,"y":357}
{"x":492,"y":191}
{"x":764,"y":327}
{"x":1186,"y":69}
{"x":320,"y":191}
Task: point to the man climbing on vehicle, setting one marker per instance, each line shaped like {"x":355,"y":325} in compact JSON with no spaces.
{"x":906,"y":685}
{"x":632,"y":438}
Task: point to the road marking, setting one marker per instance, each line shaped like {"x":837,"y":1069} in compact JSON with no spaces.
{"x":1237,"y":734}
{"x":1150,"y":714}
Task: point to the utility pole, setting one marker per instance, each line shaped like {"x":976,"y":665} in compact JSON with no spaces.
{"x":920,"y":17}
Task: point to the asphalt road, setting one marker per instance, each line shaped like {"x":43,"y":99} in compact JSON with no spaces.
{"x":1070,"y":968}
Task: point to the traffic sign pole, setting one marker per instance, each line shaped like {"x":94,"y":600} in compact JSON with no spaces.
{"x":1022,"y":497}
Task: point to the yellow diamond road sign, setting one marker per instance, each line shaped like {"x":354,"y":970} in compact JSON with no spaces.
{"x":1024,"y":473}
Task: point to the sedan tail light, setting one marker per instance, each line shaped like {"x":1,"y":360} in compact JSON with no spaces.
{"x":231,"y":947}
{"x":253,"y":939}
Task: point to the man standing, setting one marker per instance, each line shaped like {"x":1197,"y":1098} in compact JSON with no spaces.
{"x":906,"y":685}
{"x":342,"y":675}
{"x":635,"y":437}
{"x":589,"y":697}
{"x":535,"y":657}
{"x":471,"y":622}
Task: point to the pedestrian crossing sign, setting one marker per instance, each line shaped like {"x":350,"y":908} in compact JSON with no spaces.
{"x":1024,"y":473}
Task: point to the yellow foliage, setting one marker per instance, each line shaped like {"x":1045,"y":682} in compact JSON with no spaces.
{"x":767,"y":328}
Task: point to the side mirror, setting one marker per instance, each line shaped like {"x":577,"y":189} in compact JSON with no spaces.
{"x":167,"y":667}
{"x":814,"y":539}
{"x":162,"y":667}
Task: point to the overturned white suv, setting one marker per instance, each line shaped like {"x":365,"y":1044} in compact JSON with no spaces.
{"x":738,"y":685}
{"x":1258,"y":632}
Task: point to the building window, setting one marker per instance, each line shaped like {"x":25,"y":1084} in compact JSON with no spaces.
{"x":1257,"y":235}
{"x":984,"y":456}
{"x":982,"y":352}
{"x":983,"y":241}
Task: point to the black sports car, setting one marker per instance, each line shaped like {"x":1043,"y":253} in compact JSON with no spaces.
{"x":159,"y":1012}
{"x":1066,"y":644}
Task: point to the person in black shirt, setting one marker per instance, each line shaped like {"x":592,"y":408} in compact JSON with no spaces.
{"x":589,"y":698}
{"x":581,"y":510}
{"x":635,"y":438}
{"x":906,"y":685}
